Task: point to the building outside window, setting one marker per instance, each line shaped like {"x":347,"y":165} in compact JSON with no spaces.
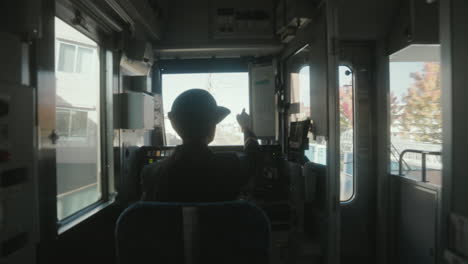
{"x":72,"y":123}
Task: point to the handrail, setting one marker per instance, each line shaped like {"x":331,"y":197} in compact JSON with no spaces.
{"x":423,"y":153}
{"x":395,"y":156}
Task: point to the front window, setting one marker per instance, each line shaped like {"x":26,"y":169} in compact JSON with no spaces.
{"x":415,"y":112}
{"x":77,"y":120}
{"x":230,"y":90}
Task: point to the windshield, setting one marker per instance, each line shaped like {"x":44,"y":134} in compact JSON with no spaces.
{"x":230,"y":90}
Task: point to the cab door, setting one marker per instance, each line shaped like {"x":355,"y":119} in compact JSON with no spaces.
{"x":357,"y":153}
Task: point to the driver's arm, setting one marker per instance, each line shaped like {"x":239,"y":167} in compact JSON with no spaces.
{"x":251,"y":148}
{"x":250,"y":139}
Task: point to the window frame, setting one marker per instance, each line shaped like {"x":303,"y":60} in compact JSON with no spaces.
{"x":79,"y":69}
{"x":355,"y":157}
{"x":60,"y":43}
{"x":70,"y":120}
{"x":104,"y":51}
{"x":76,"y":47}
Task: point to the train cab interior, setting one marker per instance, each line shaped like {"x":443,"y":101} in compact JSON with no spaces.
{"x":358,"y":108}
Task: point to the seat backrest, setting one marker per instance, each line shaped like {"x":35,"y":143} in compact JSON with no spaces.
{"x":189,"y":233}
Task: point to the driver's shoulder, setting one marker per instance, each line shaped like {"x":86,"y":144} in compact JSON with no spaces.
{"x":151,"y":172}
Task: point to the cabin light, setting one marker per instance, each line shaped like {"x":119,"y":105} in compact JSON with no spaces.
{"x":431,"y":1}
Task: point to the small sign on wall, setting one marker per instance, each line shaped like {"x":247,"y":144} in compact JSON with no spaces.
{"x":133,"y":110}
{"x":262,"y":81}
{"x":242,"y":23}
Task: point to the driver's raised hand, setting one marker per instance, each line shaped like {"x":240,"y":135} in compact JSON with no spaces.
{"x":244,"y":120}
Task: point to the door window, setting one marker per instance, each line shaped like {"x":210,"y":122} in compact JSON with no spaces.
{"x":346,"y":104}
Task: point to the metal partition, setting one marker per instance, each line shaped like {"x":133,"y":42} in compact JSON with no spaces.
{"x":415,"y":211}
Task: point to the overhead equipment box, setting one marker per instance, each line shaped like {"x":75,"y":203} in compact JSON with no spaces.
{"x":134,"y":111}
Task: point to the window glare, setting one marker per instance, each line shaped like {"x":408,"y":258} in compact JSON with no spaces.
{"x":230,"y":90}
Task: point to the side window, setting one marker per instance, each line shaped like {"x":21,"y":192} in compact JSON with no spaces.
{"x":415,"y":113}
{"x":78,"y":121}
{"x":346,"y":103}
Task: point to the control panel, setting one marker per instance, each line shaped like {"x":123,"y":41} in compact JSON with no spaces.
{"x":270,"y":180}
{"x":288,"y":191}
{"x":270,"y":190}
{"x":150,"y":155}
{"x":18,"y":206}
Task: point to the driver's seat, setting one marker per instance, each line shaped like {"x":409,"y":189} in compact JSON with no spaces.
{"x":224,"y":232}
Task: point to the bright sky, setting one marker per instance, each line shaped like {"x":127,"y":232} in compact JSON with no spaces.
{"x":400,"y":79}
{"x":230,"y":90}
{"x":304,"y":84}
